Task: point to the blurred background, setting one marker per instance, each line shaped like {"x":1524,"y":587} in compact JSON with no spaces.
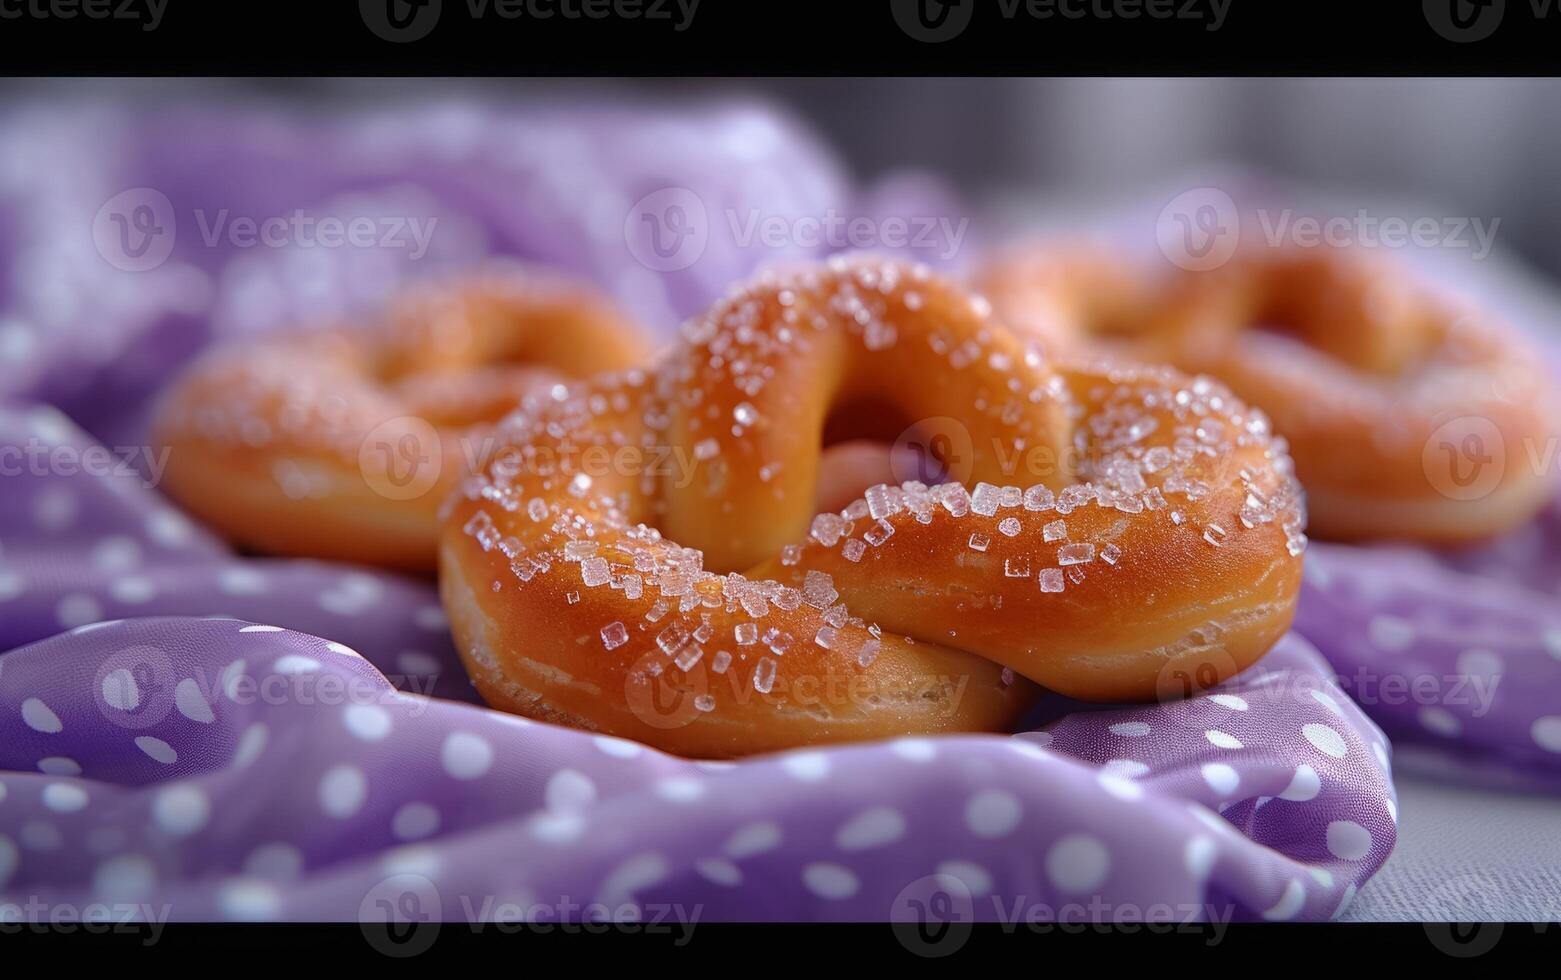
{"x":1473,"y":146}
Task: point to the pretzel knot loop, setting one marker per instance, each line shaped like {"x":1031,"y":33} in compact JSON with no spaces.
{"x":643,"y":556}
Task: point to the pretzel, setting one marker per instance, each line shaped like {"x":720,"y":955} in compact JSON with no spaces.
{"x":340,"y":443}
{"x":709,"y":611}
{"x":1395,"y":397}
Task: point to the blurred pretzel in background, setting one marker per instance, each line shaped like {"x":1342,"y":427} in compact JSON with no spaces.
{"x":340,"y":443}
{"x":1408,"y":410}
{"x":712,"y":611}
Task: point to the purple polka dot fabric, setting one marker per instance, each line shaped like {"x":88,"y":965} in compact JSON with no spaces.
{"x":191,"y":734}
{"x":1457,"y":654}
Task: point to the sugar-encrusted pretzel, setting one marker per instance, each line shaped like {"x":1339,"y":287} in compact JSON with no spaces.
{"x":711,"y":612}
{"x":1410,"y":412}
{"x":341,"y":442}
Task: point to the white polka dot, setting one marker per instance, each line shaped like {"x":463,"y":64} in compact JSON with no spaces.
{"x":1439,"y":720}
{"x":54,"y":508}
{"x":914,"y":749}
{"x":874,"y":827}
{"x":1348,"y":840}
{"x":249,"y":900}
{"x":250,"y":745}
{"x":1552,"y":641}
{"x":430,"y":618}
{"x":417,"y":662}
{"x":974,"y":877}
{"x":831,"y":881}
{"x":40,"y":835}
{"x":1221,"y":778}
{"x":11,"y":584}
{"x":1344,"y":902}
{"x":755,"y":838}
{"x":369,"y":722}
{"x":132,"y":590}
{"x":1224,"y":740}
{"x":414,"y":821}
{"x":1119,"y":786}
{"x":116,"y":553}
{"x":1324,"y":739}
{"x":1547,"y":733}
{"x":343,"y":789}
{"x":1199,"y":856}
{"x":232,"y":679}
{"x":277,"y":862}
{"x":618,"y":748}
{"x":77,"y":609}
{"x":810,"y":767}
{"x":1290,"y":903}
{"x":569,"y":791}
{"x":59,"y":765}
{"x":40,"y":717}
{"x":638,"y":872}
{"x":120,"y":690}
{"x":1390,"y":632}
{"x":1480,"y":663}
{"x":1078,"y":863}
{"x":169,"y":529}
{"x":1232,"y":701}
{"x":992,"y":813}
{"x":241,"y":581}
{"x":557,"y":828}
{"x":1327,"y":701}
{"x":180,"y":810}
{"x":1125,"y":768}
{"x":719,"y":870}
{"x":681,"y":789}
{"x":64,"y":797}
{"x":1131,"y":729}
{"x":187,"y":697}
{"x":466,"y":756}
{"x":1322,"y":876}
{"x":157,"y":750}
{"x":294,"y":663}
{"x":1304,"y":785}
{"x":124,"y":879}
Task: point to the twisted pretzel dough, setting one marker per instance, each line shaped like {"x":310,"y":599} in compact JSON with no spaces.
{"x":1163,"y":542}
{"x":341,"y":443}
{"x":1393,"y":396}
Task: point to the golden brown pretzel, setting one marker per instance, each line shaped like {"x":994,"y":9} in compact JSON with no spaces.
{"x":1162,"y":537}
{"x":1395,"y":398}
{"x":341,"y":443}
